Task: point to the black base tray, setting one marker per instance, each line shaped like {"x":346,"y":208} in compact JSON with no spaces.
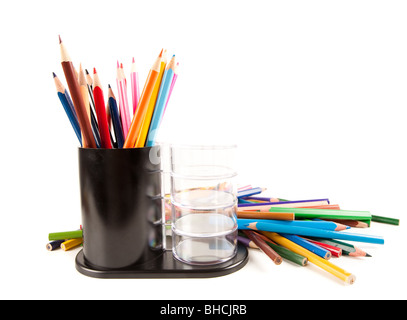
{"x":164,"y":265}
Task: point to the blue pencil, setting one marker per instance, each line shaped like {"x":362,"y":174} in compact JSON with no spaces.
{"x":68,"y":107}
{"x":249,"y":192}
{"x":326,"y":225}
{"x":160,"y":104}
{"x":323,"y":253}
{"x":117,"y":125}
{"x":311,"y":232}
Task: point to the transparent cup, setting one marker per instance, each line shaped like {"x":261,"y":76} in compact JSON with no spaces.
{"x":203,"y":203}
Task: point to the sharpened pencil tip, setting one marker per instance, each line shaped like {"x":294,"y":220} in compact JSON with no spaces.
{"x":94,"y":70}
{"x":109,"y":86}
{"x":54,"y":75}
{"x":161,"y":53}
{"x":86,"y":70}
{"x":60,"y":40}
{"x":118,"y":64}
{"x":133,"y":60}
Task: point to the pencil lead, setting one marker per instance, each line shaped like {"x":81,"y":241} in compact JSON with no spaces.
{"x":60,"y":41}
{"x":133,"y":60}
{"x":86,"y":70}
{"x":161,"y":53}
{"x":118,"y":65}
{"x":54,"y":74}
{"x":368,"y":255}
{"x":94,"y":70}
{"x":109,"y":86}
{"x":121,"y":65}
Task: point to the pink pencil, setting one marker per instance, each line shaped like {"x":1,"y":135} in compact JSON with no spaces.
{"x":135,"y":89}
{"x":172,"y":85}
{"x":123,"y":101}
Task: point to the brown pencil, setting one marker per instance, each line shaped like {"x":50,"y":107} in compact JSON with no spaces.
{"x":80,"y":108}
{"x":274,"y":256}
{"x":265,"y":215}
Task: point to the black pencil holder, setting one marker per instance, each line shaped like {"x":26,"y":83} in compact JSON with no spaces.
{"x":121,"y":206}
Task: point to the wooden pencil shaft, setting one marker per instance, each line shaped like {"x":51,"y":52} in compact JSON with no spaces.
{"x":385,"y":220}
{"x":313,"y":232}
{"x":274,"y":256}
{"x":80,"y":109}
{"x":70,"y":244}
{"x":313,"y":258}
{"x":325,"y":213}
{"x":265,"y":215}
{"x":65,"y":235}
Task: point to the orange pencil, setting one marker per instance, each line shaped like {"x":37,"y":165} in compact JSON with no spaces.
{"x":138,"y":118}
{"x":140,"y":142}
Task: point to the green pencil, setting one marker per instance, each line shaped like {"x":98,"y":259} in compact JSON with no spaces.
{"x":325,"y":213}
{"x":65,"y":235}
{"x":288,"y":254}
{"x":387,"y":220}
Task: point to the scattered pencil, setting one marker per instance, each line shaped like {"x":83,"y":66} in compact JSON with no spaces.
{"x":274,"y":256}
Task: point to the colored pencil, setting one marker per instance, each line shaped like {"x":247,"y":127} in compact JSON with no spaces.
{"x":265,"y":215}
{"x":174,"y":79}
{"x":135,"y":86}
{"x":83,"y":86}
{"x":80,"y":108}
{"x":65,"y":235}
{"x":385,"y":220}
{"x":160,"y":105}
{"x":324,"y":225}
{"x":54,"y":245}
{"x":71,"y":243}
{"x":321,"y":252}
{"x":327,"y":206}
{"x":105,"y":141}
{"x":123,"y":100}
{"x":64,"y":97}
{"x":274,"y":256}
{"x":284,"y":252}
{"x":247,"y":242}
{"x":265,"y":199}
{"x":311,"y":232}
{"x":325,"y":213}
{"x":114,"y":112}
{"x":249,"y":192}
{"x":244,"y":188}
{"x":285,"y":204}
{"x":347,"y":248}
{"x":141,"y":139}
{"x":313,"y":258}
{"x":350,"y":223}
{"x":94,"y":122}
{"x":138,"y":118}
{"x":335,"y":251}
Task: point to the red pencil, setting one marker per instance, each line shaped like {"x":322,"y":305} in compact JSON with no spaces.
{"x":101,"y":112}
{"x":335,"y":251}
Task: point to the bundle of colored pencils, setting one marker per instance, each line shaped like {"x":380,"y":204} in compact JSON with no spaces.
{"x":303,"y":231}
{"x":116,"y":124}
{"x":65,"y":240}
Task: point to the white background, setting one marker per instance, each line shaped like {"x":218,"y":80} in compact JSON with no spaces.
{"x":312,"y":92}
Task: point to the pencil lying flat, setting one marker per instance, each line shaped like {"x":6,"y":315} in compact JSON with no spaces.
{"x":326,"y":225}
{"x":302,"y":231}
{"x":313,"y":258}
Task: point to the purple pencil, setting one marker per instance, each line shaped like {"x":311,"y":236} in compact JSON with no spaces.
{"x":287,"y":204}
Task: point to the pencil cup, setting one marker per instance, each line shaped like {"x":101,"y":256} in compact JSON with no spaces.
{"x":121,"y":205}
{"x":203,"y":204}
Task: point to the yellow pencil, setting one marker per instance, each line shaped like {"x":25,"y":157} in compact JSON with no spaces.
{"x":69,"y":244}
{"x":313,"y":258}
{"x":141,"y":140}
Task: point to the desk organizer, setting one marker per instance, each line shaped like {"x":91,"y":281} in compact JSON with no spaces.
{"x":122,"y":219}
